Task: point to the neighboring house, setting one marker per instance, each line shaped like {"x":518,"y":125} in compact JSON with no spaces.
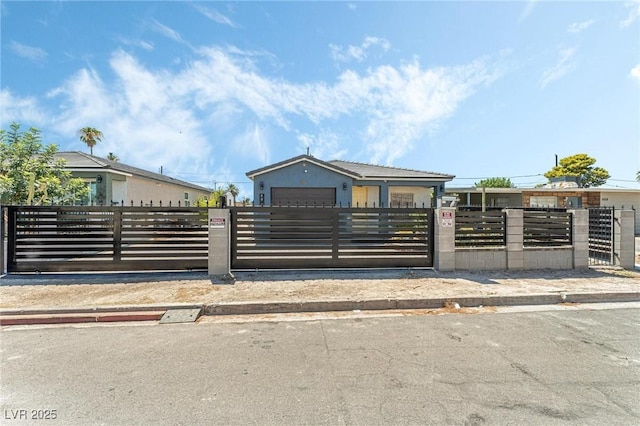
{"x":112,"y":182}
{"x":561,"y":197}
{"x":305,"y":180}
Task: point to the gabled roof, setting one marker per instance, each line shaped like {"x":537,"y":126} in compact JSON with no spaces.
{"x":81,"y":162}
{"x":372,"y":171}
{"x":300,"y":159}
{"x":359,"y":171}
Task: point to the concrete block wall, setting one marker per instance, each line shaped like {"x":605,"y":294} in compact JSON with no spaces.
{"x":219,"y":242}
{"x":515,"y":238}
{"x":514,"y":255}
{"x":548,"y":257}
{"x":481,"y":259}
{"x":624,"y":238}
{"x":444,"y":256}
{"x":580,"y":239}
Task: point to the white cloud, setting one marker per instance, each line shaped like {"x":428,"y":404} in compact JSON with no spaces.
{"x":358,"y":53}
{"x":34,"y":54}
{"x":146,"y":45}
{"x":634,"y":13}
{"x":215,"y":16}
{"x":326,"y":144}
{"x":253,"y":142}
{"x":578,"y":27}
{"x":562,"y":68}
{"x":167,"y":32}
{"x":24,"y":111}
{"x":528,"y":8}
{"x":635,"y":72}
{"x":150,"y":117}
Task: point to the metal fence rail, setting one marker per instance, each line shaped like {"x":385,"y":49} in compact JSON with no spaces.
{"x":299,"y":237}
{"x":601,"y":236}
{"x":82,"y":238}
{"x":480,"y":229}
{"x":547,"y":228}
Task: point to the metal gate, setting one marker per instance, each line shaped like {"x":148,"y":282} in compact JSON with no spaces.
{"x":308,"y":237}
{"x":83,"y":238}
{"x":601,"y":236}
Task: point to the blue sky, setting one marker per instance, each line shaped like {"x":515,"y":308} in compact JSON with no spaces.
{"x":211,"y":90}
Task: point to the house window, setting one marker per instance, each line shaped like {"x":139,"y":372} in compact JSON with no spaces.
{"x":402,"y":199}
{"x":92,"y":196}
{"x":546,"y":201}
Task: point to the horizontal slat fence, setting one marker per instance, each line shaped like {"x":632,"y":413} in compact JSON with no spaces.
{"x":547,"y":228}
{"x":480,"y":229}
{"x":298,"y":237}
{"x":82,"y":238}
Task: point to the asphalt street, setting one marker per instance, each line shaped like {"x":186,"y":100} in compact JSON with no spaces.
{"x":577,"y":366}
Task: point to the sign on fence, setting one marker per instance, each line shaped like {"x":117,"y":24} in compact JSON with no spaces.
{"x":447,"y":218}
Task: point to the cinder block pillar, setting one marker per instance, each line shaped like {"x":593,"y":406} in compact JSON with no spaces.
{"x":219,"y":242}
{"x":515,"y":238}
{"x":580,"y":234}
{"x":624,"y":238}
{"x":444,"y":250}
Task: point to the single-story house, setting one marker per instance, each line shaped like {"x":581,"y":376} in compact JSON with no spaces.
{"x":558,"y":197}
{"x":306,"y":180}
{"x":115,"y":183}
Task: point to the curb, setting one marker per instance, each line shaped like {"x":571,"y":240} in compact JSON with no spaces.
{"x":391,"y":304}
{"x":155,"y":312}
{"x":80,"y":318}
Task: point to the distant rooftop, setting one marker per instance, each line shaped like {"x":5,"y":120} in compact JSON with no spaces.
{"x":80,"y":161}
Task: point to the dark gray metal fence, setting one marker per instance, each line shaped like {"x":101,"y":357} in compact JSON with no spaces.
{"x":480,"y":229}
{"x":547,"y":228}
{"x":83,"y":238}
{"x":307,"y":237}
{"x":601,"y":236}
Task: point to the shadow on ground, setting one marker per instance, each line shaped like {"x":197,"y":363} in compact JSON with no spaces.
{"x":480,"y":277}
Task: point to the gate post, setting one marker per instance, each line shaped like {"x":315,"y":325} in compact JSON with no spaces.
{"x":580,"y":236}
{"x":624,"y":238}
{"x":515,"y":238}
{"x":219,"y":242}
{"x":444,"y":253}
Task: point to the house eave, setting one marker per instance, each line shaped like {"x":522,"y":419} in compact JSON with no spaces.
{"x":254,"y":173}
{"x":98,"y":170}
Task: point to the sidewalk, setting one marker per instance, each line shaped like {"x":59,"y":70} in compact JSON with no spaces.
{"x":140,"y":296}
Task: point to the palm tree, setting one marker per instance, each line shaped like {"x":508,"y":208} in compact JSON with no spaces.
{"x":113,"y":157}
{"x":234,"y":191}
{"x":90,"y":136}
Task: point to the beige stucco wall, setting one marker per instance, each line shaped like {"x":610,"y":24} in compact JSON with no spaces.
{"x":623,"y":201}
{"x":147,"y":191}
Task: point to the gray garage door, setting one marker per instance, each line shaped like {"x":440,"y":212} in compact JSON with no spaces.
{"x":303,"y":196}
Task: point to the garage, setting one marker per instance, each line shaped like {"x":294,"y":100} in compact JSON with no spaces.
{"x":283,"y":196}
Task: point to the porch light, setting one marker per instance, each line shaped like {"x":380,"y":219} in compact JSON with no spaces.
{"x":261,"y":186}
{"x":344,"y":186}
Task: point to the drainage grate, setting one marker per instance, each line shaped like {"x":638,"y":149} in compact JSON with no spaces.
{"x":173,"y":316}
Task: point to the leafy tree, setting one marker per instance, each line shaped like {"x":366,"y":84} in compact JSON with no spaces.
{"x":90,"y":136}
{"x":113,"y":157}
{"x":580,"y":166}
{"x":212,"y":200}
{"x":29,"y":172}
{"x":638,"y":176}
{"x":234,"y":191}
{"x":495,"y":182}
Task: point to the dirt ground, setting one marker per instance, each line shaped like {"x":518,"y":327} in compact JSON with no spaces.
{"x":102,"y":290}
